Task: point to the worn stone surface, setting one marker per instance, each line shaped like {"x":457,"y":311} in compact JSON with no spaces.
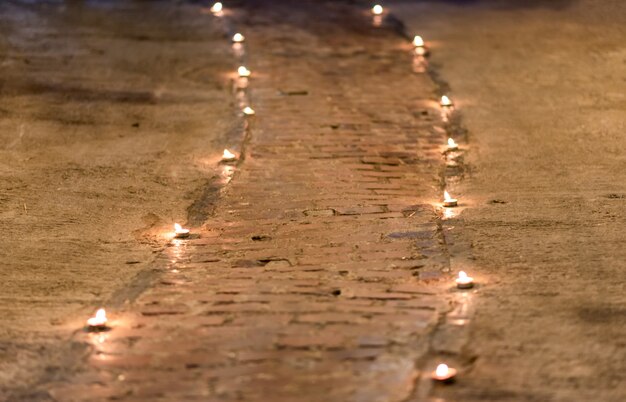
{"x":307,"y":281}
{"x":541,"y":88}
{"x":104,"y":143}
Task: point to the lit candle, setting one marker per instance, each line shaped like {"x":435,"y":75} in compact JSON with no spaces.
{"x":243,"y":71}
{"x":449,"y":201}
{"x":377,"y":9}
{"x":445,"y":101}
{"x":248,"y":111}
{"x":216,"y":8}
{"x":98,"y":322}
{"x":238,"y":38}
{"x":418,"y":41}
{"x":443,"y":373}
{"x":452,"y":146}
{"x":179,"y":232}
{"x":464,"y":281}
{"x":228,"y":156}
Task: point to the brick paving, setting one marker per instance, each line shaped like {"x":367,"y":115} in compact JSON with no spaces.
{"x":319,"y":275}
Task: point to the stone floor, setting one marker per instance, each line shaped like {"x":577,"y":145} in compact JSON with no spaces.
{"x":323,"y":270}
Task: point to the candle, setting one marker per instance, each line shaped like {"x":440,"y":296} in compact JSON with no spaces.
{"x":445,"y":101}
{"x":418,"y":41}
{"x":464,"y":281}
{"x":377,"y":9}
{"x":443,"y":373}
{"x":452,"y":146}
{"x":243,"y":71}
{"x":216,"y":8}
{"x":449,"y":201}
{"x":238,"y":38}
{"x":98,"y":322}
{"x":248,"y":111}
{"x":228,"y":156}
{"x":179,"y":232}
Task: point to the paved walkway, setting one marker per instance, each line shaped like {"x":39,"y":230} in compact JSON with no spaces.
{"x":321,"y":274}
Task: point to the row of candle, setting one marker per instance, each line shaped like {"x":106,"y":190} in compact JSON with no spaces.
{"x":98,"y":322}
{"x":443,"y":373}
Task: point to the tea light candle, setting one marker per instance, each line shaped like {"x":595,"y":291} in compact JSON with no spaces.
{"x":377,"y":9}
{"x":179,"y":232}
{"x":228,"y":156}
{"x":449,"y":201}
{"x":238,"y":38}
{"x":243,"y":72}
{"x":452,"y":146}
{"x":464,"y":281}
{"x":216,"y":8}
{"x":445,"y":101}
{"x":418,"y":41}
{"x":443,"y":373}
{"x":98,"y":322}
{"x":248,"y":111}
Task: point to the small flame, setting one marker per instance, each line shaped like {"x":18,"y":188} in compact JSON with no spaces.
{"x":446,"y":196}
{"x":451,"y":143}
{"x":248,"y":111}
{"x":243,"y":71}
{"x":418,"y":41}
{"x":238,"y":38}
{"x":445,"y":101}
{"x":217,"y":7}
{"x":377,"y":9}
{"x":99,"y":319}
{"x":462,"y":275}
{"x":442,"y":370}
{"x":177,"y":227}
{"x":228,"y":155}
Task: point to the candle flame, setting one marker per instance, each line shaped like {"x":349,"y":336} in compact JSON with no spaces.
{"x":445,"y":101}
{"x":217,"y":7}
{"x":228,"y":155}
{"x":248,"y":111}
{"x":238,"y":38}
{"x":462,"y":275}
{"x":451,"y":143}
{"x":243,"y":71}
{"x":377,"y":9}
{"x":99,"y":319}
{"x":442,"y":370}
{"x":177,"y":227}
{"x":446,"y":196}
{"x":418,"y":41}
